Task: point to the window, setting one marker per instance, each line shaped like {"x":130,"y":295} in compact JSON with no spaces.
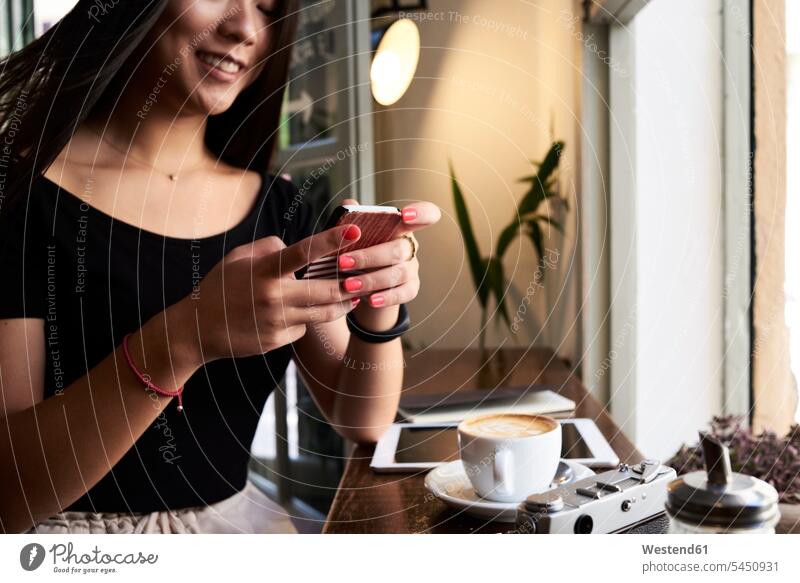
{"x":695,"y":292}
{"x":666,"y":203}
{"x":48,"y":12}
{"x":15,"y":25}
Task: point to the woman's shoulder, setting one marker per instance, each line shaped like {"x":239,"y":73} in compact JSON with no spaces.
{"x":286,"y":207}
{"x":24,"y":256}
{"x":30,"y":207}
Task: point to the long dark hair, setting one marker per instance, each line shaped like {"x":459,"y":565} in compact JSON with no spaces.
{"x":51,"y":85}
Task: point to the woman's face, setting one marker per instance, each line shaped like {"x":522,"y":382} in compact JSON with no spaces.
{"x":205,"y":52}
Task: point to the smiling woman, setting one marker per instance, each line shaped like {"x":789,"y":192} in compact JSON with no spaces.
{"x":151,"y":43}
{"x":152,"y":268}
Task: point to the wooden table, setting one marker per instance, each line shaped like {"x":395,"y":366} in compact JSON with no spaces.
{"x":367,"y":502}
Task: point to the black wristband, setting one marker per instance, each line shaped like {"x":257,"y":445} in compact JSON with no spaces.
{"x":402,"y":326}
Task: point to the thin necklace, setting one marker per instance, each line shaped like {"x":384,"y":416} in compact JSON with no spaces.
{"x":171,"y":175}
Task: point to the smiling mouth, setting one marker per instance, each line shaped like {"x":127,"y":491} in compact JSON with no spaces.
{"x":221,"y":66}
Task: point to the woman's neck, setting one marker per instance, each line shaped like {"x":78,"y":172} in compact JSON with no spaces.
{"x":152,"y":132}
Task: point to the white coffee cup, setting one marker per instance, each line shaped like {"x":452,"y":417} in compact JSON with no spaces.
{"x":509,"y":456}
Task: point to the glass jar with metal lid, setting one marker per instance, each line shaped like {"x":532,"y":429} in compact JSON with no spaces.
{"x":719,"y":500}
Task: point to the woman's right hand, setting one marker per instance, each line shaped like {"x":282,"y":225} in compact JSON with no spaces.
{"x":251,"y":302}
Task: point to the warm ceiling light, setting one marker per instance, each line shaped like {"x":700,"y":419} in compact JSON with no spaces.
{"x":395,"y":62}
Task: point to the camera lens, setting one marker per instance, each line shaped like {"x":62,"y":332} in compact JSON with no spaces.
{"x":584,"y":524}
{"x":526,"y":524}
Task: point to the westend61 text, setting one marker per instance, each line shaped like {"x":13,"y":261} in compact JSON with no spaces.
{"x":675,"y":549}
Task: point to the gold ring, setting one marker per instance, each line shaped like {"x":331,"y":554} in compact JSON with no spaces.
{"x":414,"y":245}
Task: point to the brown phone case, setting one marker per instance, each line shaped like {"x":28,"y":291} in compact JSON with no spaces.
{"x":376,"y":227}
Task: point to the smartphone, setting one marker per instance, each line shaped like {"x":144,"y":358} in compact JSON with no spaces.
{"x":378,"y":224}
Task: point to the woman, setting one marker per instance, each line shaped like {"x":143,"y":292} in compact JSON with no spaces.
{"x":149,"y":262}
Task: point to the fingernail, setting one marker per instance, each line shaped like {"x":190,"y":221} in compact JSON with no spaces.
{"x":409,"y":214}
{"x":377,"y":300}
{"x":352,"y":284}
{"x":352,"y":233}
{"x":346,"y":261}
{"x":355,"y":301}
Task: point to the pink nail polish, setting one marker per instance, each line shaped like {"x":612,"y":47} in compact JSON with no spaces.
{"x":352,"y":284}
{"x":352,"y":233}
{"x":356,"y":301}
{"x":377,"y":300}
{"x":409,"y":214}
{"x":346,"y":261}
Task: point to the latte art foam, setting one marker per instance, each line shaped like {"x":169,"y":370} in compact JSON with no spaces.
{"x":509,"y":426}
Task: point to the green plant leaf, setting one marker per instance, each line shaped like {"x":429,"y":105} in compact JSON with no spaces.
{"x":532,"y":199}
{"x":547,"y":166}
{"x":482,"y":288}
{"x":543,"y":185}
{"x":477,"y":265}
{"x":550,"y":221}
{"x":538,"y":190}
{"x":506,"y":236}
{"x":534,"y":232}
{"x":497,"y":281}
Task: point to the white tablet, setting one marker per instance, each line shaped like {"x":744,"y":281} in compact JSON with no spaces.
{"x":407,"y":447}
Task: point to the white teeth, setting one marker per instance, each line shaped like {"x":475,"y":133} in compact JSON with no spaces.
{"x":222,"y":63}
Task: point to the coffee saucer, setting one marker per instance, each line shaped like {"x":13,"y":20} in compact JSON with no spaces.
{"x":449,"y":483}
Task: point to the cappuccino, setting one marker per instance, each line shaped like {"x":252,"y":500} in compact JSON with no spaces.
{"x":508,"y":456}
{"x":504,"y":425}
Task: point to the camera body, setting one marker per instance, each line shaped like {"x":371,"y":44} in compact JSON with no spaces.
{"x":604,"y":503}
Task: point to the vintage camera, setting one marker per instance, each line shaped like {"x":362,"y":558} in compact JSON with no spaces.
{"x":609,"y":502}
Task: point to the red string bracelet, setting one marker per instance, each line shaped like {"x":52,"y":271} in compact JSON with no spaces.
{"x":145,"y":378}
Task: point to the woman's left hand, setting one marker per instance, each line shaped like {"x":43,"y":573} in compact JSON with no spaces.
{"x":395,"y":279}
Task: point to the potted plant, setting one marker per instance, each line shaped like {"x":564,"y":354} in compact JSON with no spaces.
{"x":765,"y":456}
{"x":531,"y":218}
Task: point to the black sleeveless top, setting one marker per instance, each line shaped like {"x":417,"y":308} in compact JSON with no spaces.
{"x":92,"y":280}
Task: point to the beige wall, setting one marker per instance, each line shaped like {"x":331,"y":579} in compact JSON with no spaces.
{"x":493,"y":79}
{"x":774,"y":387}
